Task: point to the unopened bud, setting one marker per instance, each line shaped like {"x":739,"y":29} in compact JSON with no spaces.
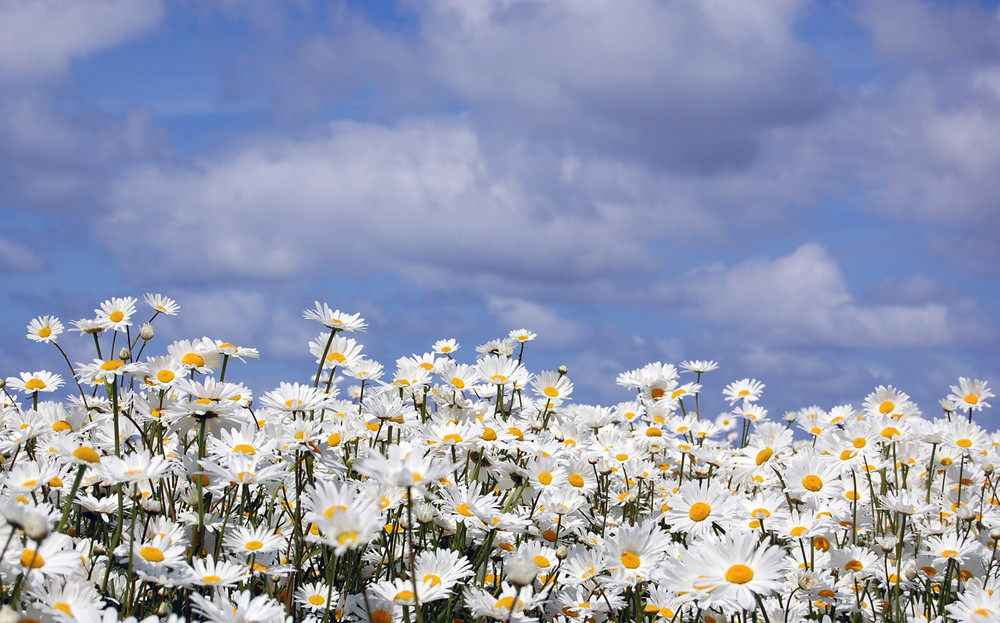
{"x":948,"y":406}
{"x":521,"y":569}
{"x":791,"y":416}
{"x":3,"y":384}
{"x":563,"y":370}
{"x":424,"y":513}
{"x":162,"y":610}
{"x":35,"y":527}
{"x":124,"y":354}
{"x":562,"y":553}
{"x":888,"y":544}
{"x":988,"y":468}
{"x":910,"y":572}
{"x":151,"y":506}
{"x":995,"y":533}
{"x":9,"y":615}
{"x":146,"y":332}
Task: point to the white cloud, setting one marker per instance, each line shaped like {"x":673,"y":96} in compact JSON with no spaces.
{"x":421,"y":199}
{"x":554,"y":329}
{"x":40,"y":37}
{"x":18,"y":258}
{"x":686,"y":86}
{"x":803,"y":299}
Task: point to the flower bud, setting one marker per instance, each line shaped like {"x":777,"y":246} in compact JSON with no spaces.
{"x":888,"y":544}
{"x":146,"y":332}
{"x":9,"y":615}
{"x":988,"y":468}
{"x":563,"y":370}
{"x":125,"y":354}
{"x":562,"y":553}
{"x":521,"y":569}
{"x":35,"y":527}
{"x":791,"y":416}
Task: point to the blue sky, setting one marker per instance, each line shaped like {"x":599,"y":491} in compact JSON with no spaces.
{"x":805,"y":192}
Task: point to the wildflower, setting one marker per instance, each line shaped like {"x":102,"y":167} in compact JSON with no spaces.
{"x":54,"y":556}
{"x":211,"y":572}
{"x":233,"y":351}
{"x":552,"y":385}
{"x":699,"y":366}
{"x":499,"y":370}
{"x":732,"y":571}
{"x":162,"y":304}
{"x":635,"y":553}
{"x":292,"y":397}
{"x":886,"y":401}
{"x":335,"y":319}
{"x":342,"y":351}
{"x":201,"y":356}
{"x":116,"y":313}
{"x":441,"y":567}
{"x":976,"y":606}
{"x":971,"y":394}
{"x":748,"y":390}
{"x":40,"y":381}
{"x":100,"y":371}
{"x":44,"y":329}
{"x":242,"y":607}
{"x":445,"y":347}
{"x":510,"y":605}
{"x":315,"y":596}
{"x":247,"y":541}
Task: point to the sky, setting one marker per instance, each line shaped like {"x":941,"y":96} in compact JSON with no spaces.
{"x":805,"y":192}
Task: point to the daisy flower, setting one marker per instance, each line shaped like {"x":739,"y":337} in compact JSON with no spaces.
{"x":40,"y":381}
{"x":243,"y":607}
{"x":635,"y":553}
{"x":116,"y":313}
{"x":552,"y":385}
{"x":315,"y":596}
{"x":342,"y":351}
{"x":970,"y":393}
{"x":162,"y":304}
{"x":510,"y":605}
{"x":211,"y":572}
{"x":734,"y":571}
{"x":445,"y":347}
{"x":44,"y":329}
{"x":976,"y":606}
{"x":699,"y":366}
{"x":54,"y":556}
{"x":748,"y":390}
{"x":202,"y":356}
{"x":335,"y":319}
{"x":291,"y":397}
{"x":441,"y":567}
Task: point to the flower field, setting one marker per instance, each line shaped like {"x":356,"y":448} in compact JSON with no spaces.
{"x":149,"y":484}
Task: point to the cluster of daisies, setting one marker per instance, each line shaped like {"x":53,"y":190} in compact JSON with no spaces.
{"x":447,"y":489}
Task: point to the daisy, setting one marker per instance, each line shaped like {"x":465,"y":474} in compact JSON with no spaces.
{"x":634,"y":553}
{"x":886,"y":400}
{"x":52,"y":557}
{"x":228,"y":349}
{"x":100,"y":371}
{"x":734,"y":570}
{"x":335,"y":319}
{"x":116,"y":313}
{"x":699,"y":366}
{"x":696,"y":507}
{"x":315,"y":596}
{"x":441,"y":567}
{"x":44,"y":329}
{"x":970,"y":394}
{"x":201,"y":356}
{"x":552,"y":385}
{"x":445,"y":347}
{"x":509,"y":605}
{"x":976,"y":606}
{"x":748,"y":390}
{"x":40,"y":381}
{"x":162,"y":304}
{"x":401,"y":592}
{"x":241,"y":608}
{"x":342,"y":351}
{"x":247,"y":541}
{"x":500,"y":370}
{"x":292,"y":397}
{"x":211,"y":572}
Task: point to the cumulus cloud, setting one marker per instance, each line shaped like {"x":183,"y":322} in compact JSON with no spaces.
{"x":419,"y":199}
{"x":685,"y":86}
{"x":803,"y":299}
{"x":555,"y":329}
{"x":18,"y":258}
{"x":39,"y":38}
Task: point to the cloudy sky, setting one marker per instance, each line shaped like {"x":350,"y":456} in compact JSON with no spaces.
{"x":803,"y":191}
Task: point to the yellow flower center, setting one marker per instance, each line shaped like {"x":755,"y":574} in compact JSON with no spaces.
{"x":152,"y":554}
{"x":87,"y":454}
{"x":699,"y":511}
{"x":630,"y":560}
{"x":432,"y":579}
{"x":798,"y":531}
{"x":764,"y":455}
{"x":63,"y":606}
{"x":739,"y":574}
{"x":860,"y":442}
{"x":317,"y":600}
{"x":403,"y":595}
{"x":193,"y":359}
{"x":949,"y":553}
{"x":381,"y":616}
{"x":499,"y":378}
{"x":111,"y":365}
{"x":458,"y":383}
{"x":253,"y":546}
{"x":165,"y":376}
{"x":889,"y":432}
{"x":334,"y":439}
{"x":116,"y":316}
{"x":489,"y":434}
{"x":551,"y":392}
{"x":347,"y":538}
{"x":812,"y":482}
{"x":35,"y":384}
{"x":545,"y":478}
{"x":244,"y":448}
{"x":44,"y":332}
{"x":576,"y":480}
{"x":887,"y":407}
{"x":32,"y":559}
{"x":972,"y":399}
{"x":211,"y":579}
{"x":658,"y":393}
{"x":964,"y":443}
{"x":854,"y":565}
{"x":541,"y":561}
